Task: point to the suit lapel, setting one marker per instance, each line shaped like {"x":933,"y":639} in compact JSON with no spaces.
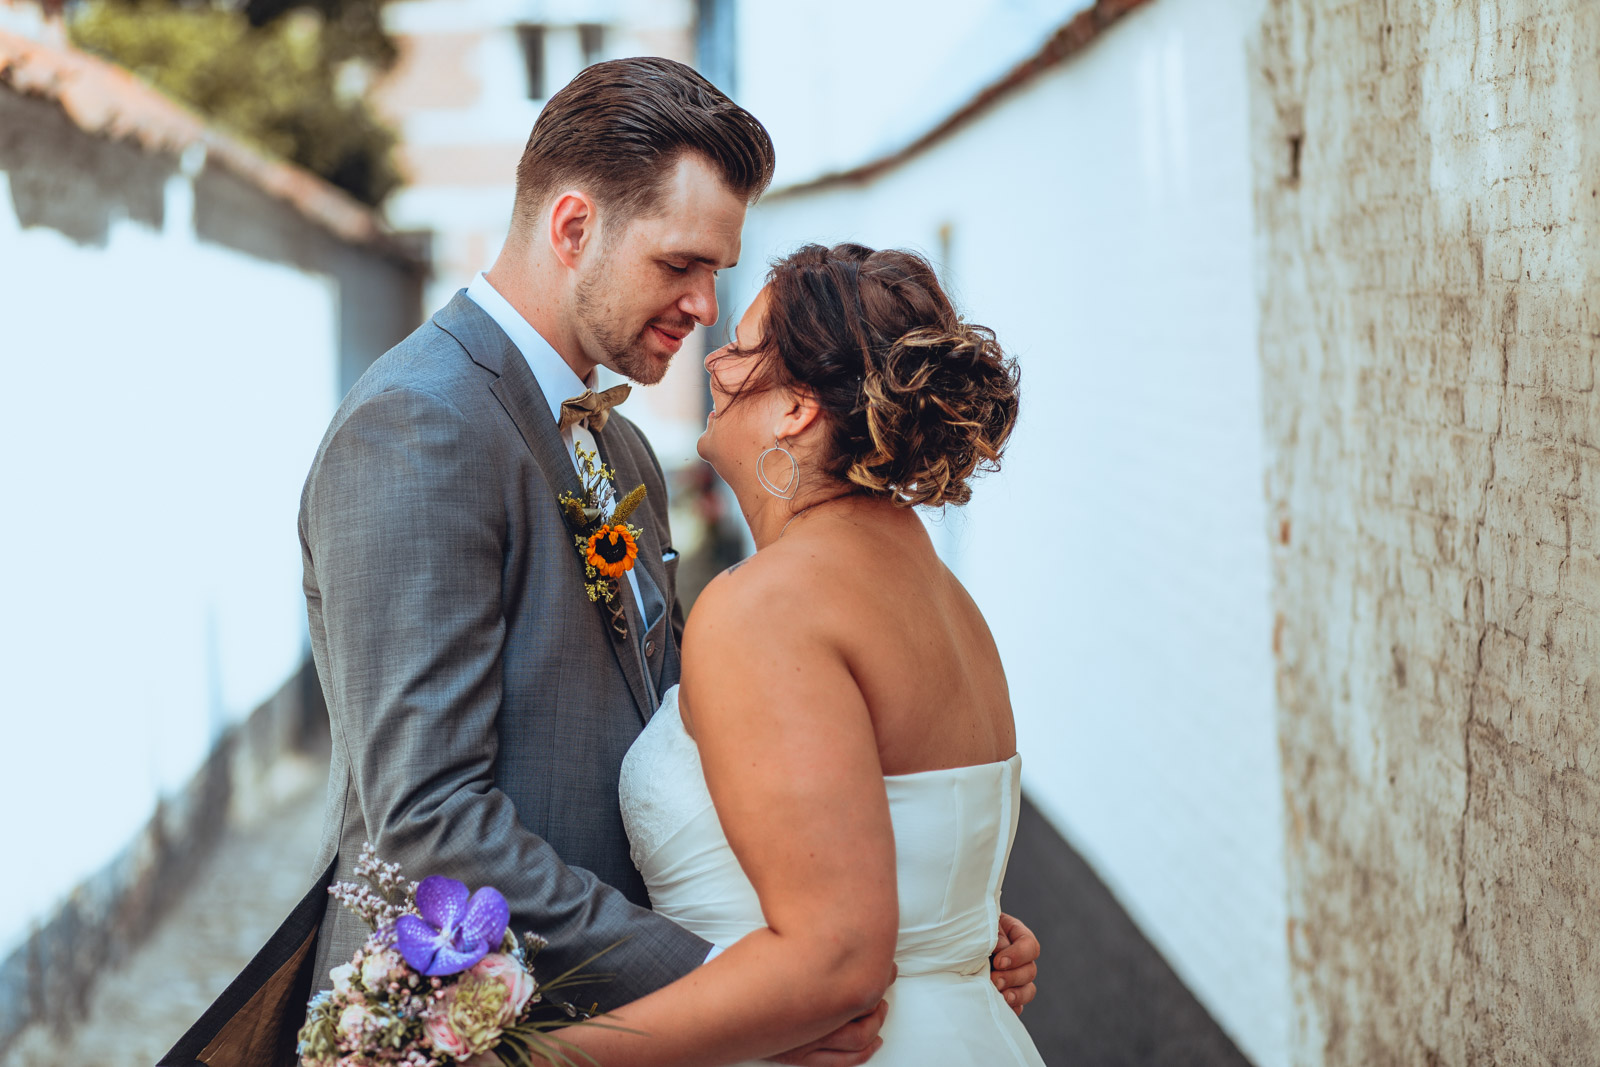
{"x":518,"y":392}
{"x":514,"y":386}
{"x":649,"y":562}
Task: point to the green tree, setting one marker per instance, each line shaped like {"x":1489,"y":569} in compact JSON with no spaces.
{"x":289,"y":75}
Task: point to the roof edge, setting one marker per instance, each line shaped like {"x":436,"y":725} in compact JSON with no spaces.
{"x":104,"y":100}
{"x":1073,"y":37}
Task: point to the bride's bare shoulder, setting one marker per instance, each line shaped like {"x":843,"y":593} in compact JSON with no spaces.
{"x":781,"y":574}
{"x":773,"y":592}
{"x":728,"y":596}
{"x":750,"y":629}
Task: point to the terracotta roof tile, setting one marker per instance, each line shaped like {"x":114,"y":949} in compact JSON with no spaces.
{"x":107,"y":101}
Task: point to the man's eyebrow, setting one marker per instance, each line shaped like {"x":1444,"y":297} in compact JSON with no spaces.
{"x":695,"y":257}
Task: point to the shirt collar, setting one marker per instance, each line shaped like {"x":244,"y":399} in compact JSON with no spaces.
{"x":556,"y":379}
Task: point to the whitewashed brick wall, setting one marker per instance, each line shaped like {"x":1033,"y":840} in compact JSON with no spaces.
{"x":1427,"y":181}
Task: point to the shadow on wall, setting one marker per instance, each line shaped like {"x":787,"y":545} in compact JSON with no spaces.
{"x":230,"y":212}
{"x":80,"y":185}
{"x":73,"y":184}
{"x":49,"y":979}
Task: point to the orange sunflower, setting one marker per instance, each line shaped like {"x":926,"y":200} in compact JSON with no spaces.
{"x":612,"y":551}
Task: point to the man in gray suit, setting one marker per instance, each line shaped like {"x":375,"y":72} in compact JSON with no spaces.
{"x":481,"y":704}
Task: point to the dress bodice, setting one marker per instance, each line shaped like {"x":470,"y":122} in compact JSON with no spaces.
{"x":953,"y":831}
{"x":675,"y":837}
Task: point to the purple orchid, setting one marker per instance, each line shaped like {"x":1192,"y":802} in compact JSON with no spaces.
{"x":454,"y":932}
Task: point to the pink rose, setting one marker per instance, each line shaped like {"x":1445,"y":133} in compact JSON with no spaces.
{"x":441,"y":1035}
{"x":353,"y":1022}
{"x":498,"y":967}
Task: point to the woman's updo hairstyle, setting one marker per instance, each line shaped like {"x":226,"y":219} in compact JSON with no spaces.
{"x":917,"y":400}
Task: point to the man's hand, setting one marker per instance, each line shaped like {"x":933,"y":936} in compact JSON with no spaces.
{"x":847,"y":1046}
{"x":1013,"y":963}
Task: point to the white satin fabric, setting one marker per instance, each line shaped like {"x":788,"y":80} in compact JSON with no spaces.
{"x":953,"y":831}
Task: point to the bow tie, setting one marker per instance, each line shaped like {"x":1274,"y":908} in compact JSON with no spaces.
{"x":593,"y":406}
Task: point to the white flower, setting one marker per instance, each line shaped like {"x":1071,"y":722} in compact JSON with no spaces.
{"x":381,"y":968}
{"x":341,"y":978}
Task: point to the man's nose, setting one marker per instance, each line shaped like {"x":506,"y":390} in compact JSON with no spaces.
{"x":700,"y":302}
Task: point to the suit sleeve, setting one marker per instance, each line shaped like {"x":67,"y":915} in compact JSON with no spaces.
{"x":405,"y":524}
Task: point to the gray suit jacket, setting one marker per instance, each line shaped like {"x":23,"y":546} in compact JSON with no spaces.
{"x":480,"y":704}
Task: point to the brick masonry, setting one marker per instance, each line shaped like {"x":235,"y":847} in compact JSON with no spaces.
{"x":1428,"y":203}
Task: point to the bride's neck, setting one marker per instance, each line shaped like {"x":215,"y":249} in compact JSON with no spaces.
{"x":769,"y":519}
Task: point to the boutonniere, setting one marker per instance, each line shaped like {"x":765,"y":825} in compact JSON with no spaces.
{"x":606,"y":542}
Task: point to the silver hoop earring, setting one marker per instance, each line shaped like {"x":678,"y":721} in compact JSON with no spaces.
{"x":788,"y":489}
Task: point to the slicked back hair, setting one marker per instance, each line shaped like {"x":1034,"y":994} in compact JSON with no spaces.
{"x":618,"y":129}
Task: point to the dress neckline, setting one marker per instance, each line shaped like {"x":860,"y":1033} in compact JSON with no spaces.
{"x":1017,"y":758}
{"x":676,"y":714}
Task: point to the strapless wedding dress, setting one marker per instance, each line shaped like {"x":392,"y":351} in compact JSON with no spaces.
{"x":953,"y":831}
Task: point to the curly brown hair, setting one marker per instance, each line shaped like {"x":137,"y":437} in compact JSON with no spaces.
{"x":916,"y":399}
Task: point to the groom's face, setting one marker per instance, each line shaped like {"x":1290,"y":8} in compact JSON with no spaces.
{"x":655,"y":279}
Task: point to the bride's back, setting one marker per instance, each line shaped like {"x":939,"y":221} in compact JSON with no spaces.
{"x":867,"y":578}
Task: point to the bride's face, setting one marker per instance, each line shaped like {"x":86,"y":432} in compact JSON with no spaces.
{"x":740,"y":426}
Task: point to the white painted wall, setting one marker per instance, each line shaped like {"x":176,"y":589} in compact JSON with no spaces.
{"x":837,"y":81}
{"x":1101,"y":222}
{"x":164,"y":400}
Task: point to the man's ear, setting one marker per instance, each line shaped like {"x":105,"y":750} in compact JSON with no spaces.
{"x":573,"y":224}
{"x":800,"y":415}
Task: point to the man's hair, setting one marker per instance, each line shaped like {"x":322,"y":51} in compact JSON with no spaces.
{"x":618,"y":129}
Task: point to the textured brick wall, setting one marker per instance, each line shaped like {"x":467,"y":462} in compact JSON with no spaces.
{"x":1428,"y":207}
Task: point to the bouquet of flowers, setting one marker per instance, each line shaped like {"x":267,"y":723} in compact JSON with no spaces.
{"x":440,"y":981}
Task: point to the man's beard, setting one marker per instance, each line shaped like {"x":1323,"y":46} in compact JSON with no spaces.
{"x":624,"y":354}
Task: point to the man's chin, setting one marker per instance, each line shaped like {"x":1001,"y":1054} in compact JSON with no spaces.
{"x":641,"y":368}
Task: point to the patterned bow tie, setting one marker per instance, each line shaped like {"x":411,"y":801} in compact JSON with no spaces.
{"x":596,"y":407}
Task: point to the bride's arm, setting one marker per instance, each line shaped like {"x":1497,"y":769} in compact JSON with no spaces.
{"x":792,"y":765}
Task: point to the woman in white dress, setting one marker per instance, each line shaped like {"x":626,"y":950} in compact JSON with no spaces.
{"x":831,"y":796}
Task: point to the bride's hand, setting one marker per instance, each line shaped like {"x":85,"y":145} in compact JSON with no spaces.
{"x":1015,"y":963}
{"x":847,"y":1046}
